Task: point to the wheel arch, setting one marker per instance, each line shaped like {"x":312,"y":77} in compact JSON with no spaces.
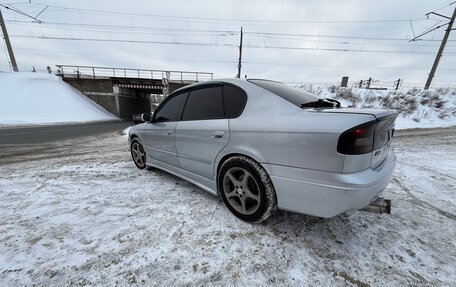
{"x":132,"y":137}
{"x":222,"y":158}
{"x":269,"y":201}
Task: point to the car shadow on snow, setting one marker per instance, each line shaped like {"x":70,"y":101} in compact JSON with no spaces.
{"x":339,"y":229}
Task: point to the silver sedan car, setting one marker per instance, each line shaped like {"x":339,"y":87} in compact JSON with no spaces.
{"x":262,"y":145}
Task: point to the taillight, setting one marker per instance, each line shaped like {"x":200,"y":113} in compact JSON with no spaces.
{"x":357,"y":140}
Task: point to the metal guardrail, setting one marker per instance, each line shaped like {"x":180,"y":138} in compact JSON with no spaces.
{"x":173,"y":76}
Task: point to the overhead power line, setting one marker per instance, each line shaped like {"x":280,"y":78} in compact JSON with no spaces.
{"x":344,"y":42}
{"x":222,"y":19}
{"x":123,"y":41}
{"x":395,"y":28}
{"x":438,"y":9}
{"x":220,"y":45}
{"x":116,"y":27}
{"x":327,"y":36}
{"x":340,"y":67}
{"x":116,"y":30}
{"x":47,"y":51}
{"x":343,"y":50}
{"x":60,"y":25}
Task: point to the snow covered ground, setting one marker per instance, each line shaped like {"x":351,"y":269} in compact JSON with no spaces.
{"x":80,"y":213}
{"x":38,"y":98}
{"x":417,"y":108}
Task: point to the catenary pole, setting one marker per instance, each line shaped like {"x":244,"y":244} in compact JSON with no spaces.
{"x":8,"y":43}
{"x":240,"y":57}
{"x":439,"y":53}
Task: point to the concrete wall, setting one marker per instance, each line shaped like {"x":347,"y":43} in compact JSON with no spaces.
{"x":108,"y":102}
{"x":91,"y":85}
{"x":121,"y":102}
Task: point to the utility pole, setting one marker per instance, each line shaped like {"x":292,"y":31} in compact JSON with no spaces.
{"x":8,"y":43}
{"x":240,"y":58}
{"x":442,"y":45}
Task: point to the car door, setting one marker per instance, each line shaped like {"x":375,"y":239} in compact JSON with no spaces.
{"x":159,"y":135}
{"x":203,"y":131}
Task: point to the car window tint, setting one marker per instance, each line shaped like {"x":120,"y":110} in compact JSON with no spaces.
{"x":293,"y":95}
{"x":171,"y":110}
{"x":234,"y":101}
{"x":204,"y":104}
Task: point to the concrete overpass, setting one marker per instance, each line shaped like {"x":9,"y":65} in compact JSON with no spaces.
{"x":125,"y":92}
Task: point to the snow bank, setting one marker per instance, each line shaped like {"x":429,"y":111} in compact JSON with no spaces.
{"x":417,"y":108}
{"x":34,"y":98}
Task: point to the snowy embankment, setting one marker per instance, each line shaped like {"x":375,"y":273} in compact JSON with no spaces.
{"x":34,"y":98}
{"x":417,"y":108}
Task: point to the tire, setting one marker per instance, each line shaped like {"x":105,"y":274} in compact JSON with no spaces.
{"x":246,"y":189}
{"x":138,"y":154}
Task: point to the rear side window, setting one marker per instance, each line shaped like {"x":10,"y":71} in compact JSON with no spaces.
{"x":293,"y":95}
{"x":204,"y":104}
{"x":171,"y":110}
{"x":234,"y":100}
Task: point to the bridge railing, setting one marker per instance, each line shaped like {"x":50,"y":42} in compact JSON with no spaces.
{"x":93,"y":72}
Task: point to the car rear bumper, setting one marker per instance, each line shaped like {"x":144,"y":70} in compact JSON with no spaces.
{"x":327,"y":194}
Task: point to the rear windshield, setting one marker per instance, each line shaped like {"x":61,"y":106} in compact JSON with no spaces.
{"x":293,"y":95}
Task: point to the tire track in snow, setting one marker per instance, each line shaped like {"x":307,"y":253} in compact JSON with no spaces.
{"x":424,"y":203}
{"x":427,"y":169}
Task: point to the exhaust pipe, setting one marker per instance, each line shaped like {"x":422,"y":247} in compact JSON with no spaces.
{"x":379,"y":205}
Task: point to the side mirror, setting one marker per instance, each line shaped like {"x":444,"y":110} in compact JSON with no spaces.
{"x":146,"y":117}
{"x":152,"y":117}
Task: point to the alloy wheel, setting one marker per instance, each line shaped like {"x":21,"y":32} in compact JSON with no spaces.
{"x":241,"y":190}
{"x":139,"y":156}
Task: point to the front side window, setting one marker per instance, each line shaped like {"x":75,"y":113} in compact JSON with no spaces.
{"x":204,"y":104}
{"x":293,"y":95}
{"x":171,"y":110}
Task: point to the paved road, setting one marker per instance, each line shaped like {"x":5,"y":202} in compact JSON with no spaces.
{"x":43,"y":134}
{"x":425,"y":132}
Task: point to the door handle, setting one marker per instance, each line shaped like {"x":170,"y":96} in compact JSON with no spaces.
{"x":168,"y":133}
{"x":218,"y":134}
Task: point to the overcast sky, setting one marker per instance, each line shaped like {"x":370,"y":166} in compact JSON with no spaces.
{"x":207,"y":37}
